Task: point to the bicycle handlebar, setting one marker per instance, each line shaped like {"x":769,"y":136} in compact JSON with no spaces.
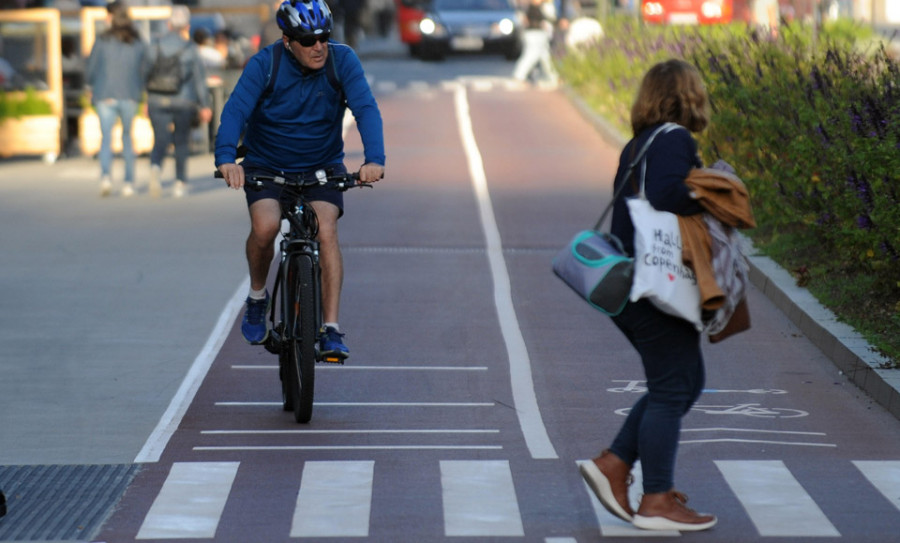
{"x":341,"y":182}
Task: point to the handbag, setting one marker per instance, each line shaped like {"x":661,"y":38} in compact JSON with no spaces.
{"x":594,"y":264}
{"x":739,"y":322}
{"x":660,"y":275}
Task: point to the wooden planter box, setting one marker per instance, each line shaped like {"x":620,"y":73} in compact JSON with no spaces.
{"x":30,"y":135}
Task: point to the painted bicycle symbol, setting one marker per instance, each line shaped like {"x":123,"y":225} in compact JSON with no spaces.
{"x":639,"y":386}
{"x":754,"y":410}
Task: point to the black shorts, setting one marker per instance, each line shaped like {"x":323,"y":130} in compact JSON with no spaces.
{"x":313,"y":193}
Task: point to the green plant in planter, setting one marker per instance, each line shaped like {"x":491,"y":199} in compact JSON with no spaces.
{"x":16,"y":105}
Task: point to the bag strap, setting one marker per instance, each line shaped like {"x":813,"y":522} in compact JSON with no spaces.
{"x":639,"y":157}
{"x":665,"y":129}
{"x":330,"y":72}
{"x":273,"y":71}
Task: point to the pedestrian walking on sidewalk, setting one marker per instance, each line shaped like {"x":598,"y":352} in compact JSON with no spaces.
{"x":115,"y":85}
{"x":173,"y":109}
{"x":669,"y":346}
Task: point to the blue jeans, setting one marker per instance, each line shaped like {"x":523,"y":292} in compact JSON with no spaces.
{"x":673,"y":364}
{"x":171,"y":125}
{"x":108,"y":111}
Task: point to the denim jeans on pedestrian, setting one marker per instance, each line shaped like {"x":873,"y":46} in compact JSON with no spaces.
{"x":163,"y":119}
{"x":673,"y":364}
{"x":108,"y":111}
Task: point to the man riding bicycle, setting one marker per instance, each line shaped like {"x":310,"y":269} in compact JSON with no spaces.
{"x":288,"y":106}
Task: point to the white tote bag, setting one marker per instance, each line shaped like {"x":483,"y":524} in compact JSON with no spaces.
{"x":659,"y":273}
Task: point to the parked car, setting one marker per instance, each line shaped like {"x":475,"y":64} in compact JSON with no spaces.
{"x":471,"y":25}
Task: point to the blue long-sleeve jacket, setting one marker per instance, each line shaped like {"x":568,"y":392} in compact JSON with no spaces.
{"x":670,"y":158}
{"x":298,"y":126}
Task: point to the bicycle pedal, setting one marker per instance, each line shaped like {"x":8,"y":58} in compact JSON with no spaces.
{"x":273,"y":344}
{"x":331,"y":359}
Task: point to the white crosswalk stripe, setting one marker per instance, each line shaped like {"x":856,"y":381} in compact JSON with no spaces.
{"x":191,"y":501}
{"x":334,"y":499}
{"x":479,"y":500}
{"x":885,"y":476}
{"x":776,"y":502}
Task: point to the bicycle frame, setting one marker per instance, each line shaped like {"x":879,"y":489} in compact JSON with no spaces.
{"x":294,"y":338}
{"x":299,"y":240}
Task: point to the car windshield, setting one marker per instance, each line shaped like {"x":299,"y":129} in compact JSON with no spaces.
{"x":472,"y":5}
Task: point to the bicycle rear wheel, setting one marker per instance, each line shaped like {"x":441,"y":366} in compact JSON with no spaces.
{"x":300,"y":335}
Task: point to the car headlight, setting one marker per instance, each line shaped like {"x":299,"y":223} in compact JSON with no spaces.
{"x":711,"y":10}
{"x":506,"y":27}
{"x":430,"y":27}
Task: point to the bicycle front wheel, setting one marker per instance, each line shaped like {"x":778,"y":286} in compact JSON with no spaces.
{"x":301,"y":334}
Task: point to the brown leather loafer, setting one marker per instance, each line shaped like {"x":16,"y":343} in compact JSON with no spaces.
{"x":667,"y":511}
{"x":609,"y":477}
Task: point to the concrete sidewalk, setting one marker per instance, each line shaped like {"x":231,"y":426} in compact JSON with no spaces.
{"x":853,"y":357}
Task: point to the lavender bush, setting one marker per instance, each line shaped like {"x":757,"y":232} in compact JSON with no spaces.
{"x":814,"y":132}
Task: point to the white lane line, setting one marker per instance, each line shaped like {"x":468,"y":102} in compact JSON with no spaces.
{"x":159,"y":438}
{"x":362,"y":404}
{"x":763,"y":441}
{"x":190,"y":502}
{"x":524,"y":396}
{"x":775,"y":501}
{"x":353,"y":448}
{"x":376,"y":368}
{"x":335,"y":499}
{"x":347,"y":122}
{"x":479,"y":499}
{"x":885,"y":475}
{"x":279,"y":432}
{"x":754,"y":431}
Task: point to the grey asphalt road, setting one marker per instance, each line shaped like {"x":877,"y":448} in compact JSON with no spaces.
{"x":428,"y":434}
{"x":106,"y":302}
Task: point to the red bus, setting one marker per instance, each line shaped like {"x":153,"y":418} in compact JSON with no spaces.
{"x":695,"y":11}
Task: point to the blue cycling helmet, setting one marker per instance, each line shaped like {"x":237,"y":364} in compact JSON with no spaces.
{"x":298,"y":18}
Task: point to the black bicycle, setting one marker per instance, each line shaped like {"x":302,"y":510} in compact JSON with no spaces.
{"x":293,"y":335}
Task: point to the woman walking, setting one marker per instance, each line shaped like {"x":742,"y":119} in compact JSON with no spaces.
{"x":113,"y":75}
{"x":669,"y":347}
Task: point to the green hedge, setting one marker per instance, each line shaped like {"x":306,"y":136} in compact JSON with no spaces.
{"x":19,"y":105}
{"x":812,"y":125}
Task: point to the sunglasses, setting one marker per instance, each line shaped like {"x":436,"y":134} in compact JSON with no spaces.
{"x":309,"y":41}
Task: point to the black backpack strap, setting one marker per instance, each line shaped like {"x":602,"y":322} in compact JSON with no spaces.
{"x":277,"y":51}
{"x":331,"y":74}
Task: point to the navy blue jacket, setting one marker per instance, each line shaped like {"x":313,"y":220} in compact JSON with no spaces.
{"x":669,"y":159}
{"x":299,"y":126}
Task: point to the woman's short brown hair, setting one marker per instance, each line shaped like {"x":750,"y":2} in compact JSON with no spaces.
{"x":672,"y":91}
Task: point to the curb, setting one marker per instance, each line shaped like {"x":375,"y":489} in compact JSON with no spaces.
{"x":848,"y":350}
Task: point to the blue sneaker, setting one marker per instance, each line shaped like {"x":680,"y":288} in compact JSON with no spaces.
{"x":331,"y":346}
{"x":254,"y":324}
